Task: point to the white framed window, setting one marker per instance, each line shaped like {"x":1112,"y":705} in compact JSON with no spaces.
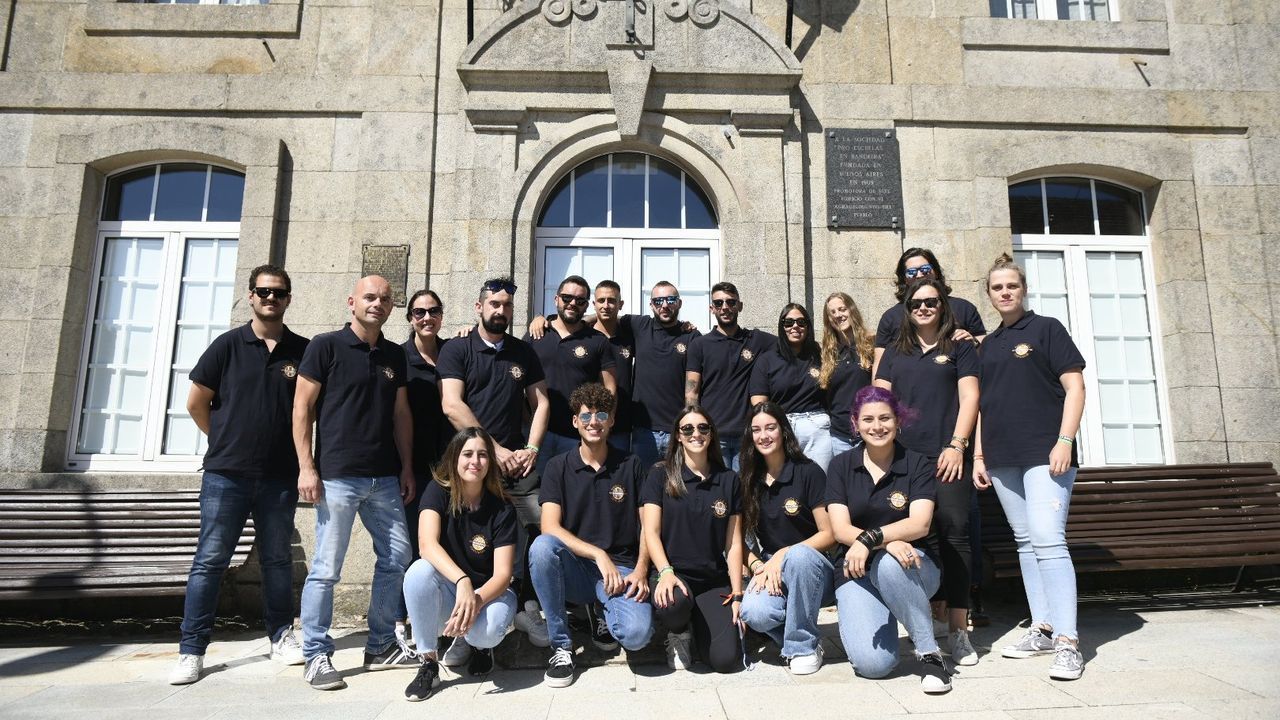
{"x":1103,"y":10}
{"x":165,"y":265}
{"x":1098,"y":284}
{"x":636,"y":219}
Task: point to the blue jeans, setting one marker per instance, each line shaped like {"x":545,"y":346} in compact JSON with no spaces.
{"x":553,"y":445}
{"x":1036,"y":505}
{"x":377,"y":501}
{"x":225,"y":504}
{"x":839,"y":445}
{"x":649,"y":446}
{"x":430,"y":598}
{"x":560,"y":577}
{"x":791,"y":619}
{"x":731,"y":450}
{"x":813,"y":430}
{"x":870,"y":606}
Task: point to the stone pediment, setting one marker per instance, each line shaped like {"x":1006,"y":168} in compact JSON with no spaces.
{"x":627,"y":56}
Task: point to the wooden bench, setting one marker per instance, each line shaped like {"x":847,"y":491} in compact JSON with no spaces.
{"x":91,"y":544}
{"x":1156,"y":518}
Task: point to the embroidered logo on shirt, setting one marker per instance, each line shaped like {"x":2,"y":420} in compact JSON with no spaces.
{"x":478,"y":544}
{"x":617,"y":493}
{"x":289,"y":370}
{"x":719,"y":508}
{"x":625,"y":352}
{"x":897,"y":499}
{"x":389,"y":373}
{"x":517,"y":372}
{"x":791,"y":506}
{"x":681,"y":347}
{"x":813,"y":373}
{"x":942,"y":359}
{"x":747,"y":354}
{"x":580,"y":352}
{"x":1022,"y":351}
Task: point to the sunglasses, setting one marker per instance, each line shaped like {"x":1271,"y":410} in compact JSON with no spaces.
{"x":798,"y":322}
{"x":916,"y":303}
{"x":701,"y":428}
{"x":505,"y":286}
{"x":264,"y":293}
{"x":925,"y":269}
{"x":598,"y":416}
{"x":578,"y":300}
{"x":420,"y":312}
{"x":725,"y":302}
{"x":668,"y":300}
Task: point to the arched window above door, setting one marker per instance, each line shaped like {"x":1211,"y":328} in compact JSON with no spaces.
{"x":628,"y":190}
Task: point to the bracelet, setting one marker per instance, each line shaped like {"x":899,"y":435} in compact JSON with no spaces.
{"x":964,"y":441}
{"x":953,"y":447}
{"x":665,"y":570}
{"x":752,"y":565}
{"x":464,"y":577}
{"x":534,"y":448}
{"x":731,"y":597}
{"x":979,"y":457}
{"x":1067,"y":440}
{"x":871,"y":538}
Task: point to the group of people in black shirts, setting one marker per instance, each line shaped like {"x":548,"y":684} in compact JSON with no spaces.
{"x":639,"y":470}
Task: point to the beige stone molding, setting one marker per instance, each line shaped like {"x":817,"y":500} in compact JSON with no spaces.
{"x":1002,"y":33}
{"x":278,"y":18}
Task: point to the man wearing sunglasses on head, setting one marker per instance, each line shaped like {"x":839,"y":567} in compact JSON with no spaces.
{"x":572,"y":353}
{"x":918,"y":264}
{"x":589,"y":551}
{"x":242,"y":397}
{"x":719,"y":369}
{"x":486,"y":381}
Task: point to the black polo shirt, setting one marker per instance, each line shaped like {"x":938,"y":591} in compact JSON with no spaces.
{"x":624,"y":352}
{"x":569,"y":362}
{"x":355,"y":413}
{"x":431,"y":429}
{"x":786,"y":506}
{"x":793,"y":384}
{"x":658,"y":390}
{"x":871,"y":504}
{"x":849,"y":377}
{"x":494,"y":382}
{"x":694,"y":525}
{"x":725,"y":364}
{"x":599,"y":507}
{"x":1022,"y":395}
{"x":966,"y":315}
{"x":926,"y":383}
{"x":471,"y":536}
{"x":251,"y":418}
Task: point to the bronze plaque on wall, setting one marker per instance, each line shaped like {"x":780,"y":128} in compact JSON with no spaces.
{"x":864,"y":179}
{"x":392,"y":263}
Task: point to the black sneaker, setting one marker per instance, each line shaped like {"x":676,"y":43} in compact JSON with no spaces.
{"x":560,"y":671}
{"x":481,"y":662}
{"x":935,"y":677}
{"x":321,"y":675}
{"x":395,"y":656}
{"x":424,"y":683}
{"x":599,"y":627}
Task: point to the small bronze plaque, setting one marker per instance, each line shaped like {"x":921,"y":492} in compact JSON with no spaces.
{"x":864,"y":179}
{"x":392,"y":263}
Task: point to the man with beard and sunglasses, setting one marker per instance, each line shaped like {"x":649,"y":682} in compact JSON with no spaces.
{"x":486,"y":380}
{"x":719,"y":368}
{"x":242,"y":398}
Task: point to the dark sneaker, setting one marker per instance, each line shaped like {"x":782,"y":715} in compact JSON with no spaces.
{"x":1034,"y":642}
{"x":481,"y":662}
{"x":560,"y":670}
{"x":321,"y":675}
{"x":600,"y":635}
{"x":424,"y":683}
{"x":935,"y":678}
{"x":395,"y":656}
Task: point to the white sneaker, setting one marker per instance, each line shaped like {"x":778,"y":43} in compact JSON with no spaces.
{"x":529,"y":621}
{"x":807,"y":664}
{"x":935,"y":678}
{"x":962,"y":652}
{"x":457,"y":654}
{"x":187,"y":670}
{"x":287,"y":649}
{"x":940,"y":628}
{"x":678,"y":657}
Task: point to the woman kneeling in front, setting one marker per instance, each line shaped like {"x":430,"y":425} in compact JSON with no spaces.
{"x":467,"y":536}
{"x":880,"y":501}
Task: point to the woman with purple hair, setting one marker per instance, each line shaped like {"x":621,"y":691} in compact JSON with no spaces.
{"x":880,"y":501}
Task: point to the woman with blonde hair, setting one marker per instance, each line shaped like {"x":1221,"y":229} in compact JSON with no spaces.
{"x":848,"y":352}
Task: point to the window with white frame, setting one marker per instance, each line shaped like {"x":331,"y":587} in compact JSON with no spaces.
{"x":636,"y":219}
{"x":1054,"y":9}
{"x":1085,"y":248}
{"x":165,"y":267}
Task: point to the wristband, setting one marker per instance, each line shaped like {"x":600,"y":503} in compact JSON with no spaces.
{"x":979,"y":457}
{"x":732,"y":597}
{"x":665,"y":570}
{"x":871,"y":538}
{"x":534,"y":448}
{"x":1067,"y":440}
{"x":464,"y":577}
{"x":752,"y":565}
{"x":964,"y":441}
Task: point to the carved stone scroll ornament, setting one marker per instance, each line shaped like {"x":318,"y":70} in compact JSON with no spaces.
{"x":701,"y":12}
{"x":558,"y":11}
{"x":676,"y":9}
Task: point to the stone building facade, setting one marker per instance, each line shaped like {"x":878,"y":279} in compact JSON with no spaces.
{"x":524,"y":137}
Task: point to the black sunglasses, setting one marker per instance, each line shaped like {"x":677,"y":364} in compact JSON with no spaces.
{"x":725,"y":302}
{"x":579,"y":300}
{"x":799,"y":322}
{"x":494,"y":286}
{"x":931,"y":303}
{"x":702,"y":428}
{"x":420,"y":312}
{"x":665,"y":300}
{"x":264,"y":293}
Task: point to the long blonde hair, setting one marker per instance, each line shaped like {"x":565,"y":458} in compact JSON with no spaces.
{"x":446,"y":472}
{"x":834,"y":341}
